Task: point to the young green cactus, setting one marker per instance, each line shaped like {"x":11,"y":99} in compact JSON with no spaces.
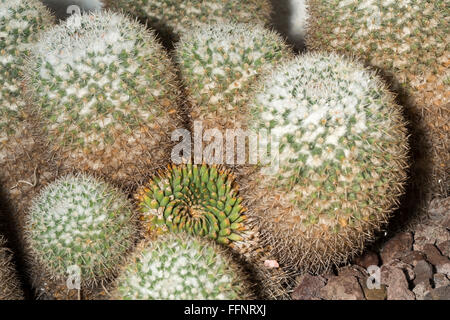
{"x":343,"y":151}
{"x":20,"y":23}
{"x":79,"y":221}
{"x":199,"y":200}
{"x":408,"y":42}
{"x":181,"y":267}
{"x":107,"y":95}
{"x":9,"y":283}
{"x":173,"y":18}
{"x":219,"y":64}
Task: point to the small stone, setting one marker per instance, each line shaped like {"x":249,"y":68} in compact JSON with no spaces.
{"x":271,"y":264}
{"x":342,"y":288}
{"x":429,"y":234}
{"x":444,"y":247}
{"x":413,"y":257}
{"x":356,"y":271}
{"x":368,"y":259}
{"x":308,"y":287}
{"x":408,"y":269}
{"x":396,"y":283}
{"x":423,"y":271}
{"x":440,"y":280}
{"x":441,"y":262}
{"x":396,"y":246}
{"x":442,"y":293}
{"x":421,"y":290}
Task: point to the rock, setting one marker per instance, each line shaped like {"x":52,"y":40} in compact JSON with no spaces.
{"x":421,"y":290}
{"x":413,"y":257}
{"x":444,"y":247}
{"x":407,"y":269}
{"x":356,"y":271}
{"x":439,"y":210}
{"x":440,"y":280}
{"x":396,"y":246}
{"x":429,"y":234}
{"x":342,"y":288}
{"x":396,"y":283}
{"x":369,"y":258}
{"x":441,"y":262}
{"x":308,"y":287}
{"x":423,"y":271}
{"x":442,"y":293}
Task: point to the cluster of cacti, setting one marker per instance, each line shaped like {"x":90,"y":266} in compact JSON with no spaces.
{"x":106,"y":93}
{"x":9,"y":283}
{"x":20,"y":22}
{"x":343,"y":151}
{"x":79,"y":221}
{"x":219,"y":64}
{"x":173,"y":18}
{"x":198,"y":200}
{"x":408,"y":41}
{"x":181,"y":267}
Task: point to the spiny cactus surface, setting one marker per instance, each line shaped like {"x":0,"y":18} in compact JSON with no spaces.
{"x":106,"y":93}
{"x":9,"y":283}
{"x":219,"y":63}
{"x":20,"y":23}
{"x":181,"y":267}
{"x":83,"y":222}
{"x":173,"y":18}
{"x":409,"y":42}
{"x":342,"y":160}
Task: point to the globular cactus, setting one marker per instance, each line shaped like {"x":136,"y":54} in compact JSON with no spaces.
{"x":199,"y":200}
{"x":79,"y":222}
{"x":181,"y":267}
{"x":219,"y":63}
{"x":408,"y":41}
{"x":9,"y":284}
{"x":107,"y":95}
{"x":173,"y":18}
{"x":20,"y":23}
{"x":342,"y":163}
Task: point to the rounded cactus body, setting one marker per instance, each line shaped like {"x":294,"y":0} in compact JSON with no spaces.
{"x":342,"y":161}
{"x":173,"y":18}
{"x":199,"y":200}
{"x":219,"y":63}
{"x":181,"y":267}
{"x":9,"y":284}
{"x":408,"y":42}
{"x":20,"y":23}
{"x":79,"y":222}
{"x":106,"y":93}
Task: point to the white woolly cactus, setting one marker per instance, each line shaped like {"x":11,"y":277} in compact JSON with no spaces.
{"x":106,"y":93}
{"x":409,"y":41}
{"x":80,"y":221}
{"x":177,"y":17}
{"x":9,"y":283}
{"x":181,"y":267}
{"x":219,"y":63}
{"x":20,"y":22}
{"x":343,"y":152}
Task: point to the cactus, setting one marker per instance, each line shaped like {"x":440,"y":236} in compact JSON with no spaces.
{"x":173,"y":18}
{"x":106,"y":93}
{"x":343,"y":151}
{"x":9,"y":283}
{"x":220,"y":63}
{"x":79,"y":221}
{"x":408,"y":42}
{"x":199,"y":200}
{"x":181,"y":267}
{"x":20,"y":22}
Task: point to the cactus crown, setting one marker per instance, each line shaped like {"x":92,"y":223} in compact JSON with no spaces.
{"x":80,"y":221}
{"x":181,"y":267}
{"x":199,"y":200}
{"x":220,"y":62}
{"x":19,"y":22}
{"x":104,"y":88}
